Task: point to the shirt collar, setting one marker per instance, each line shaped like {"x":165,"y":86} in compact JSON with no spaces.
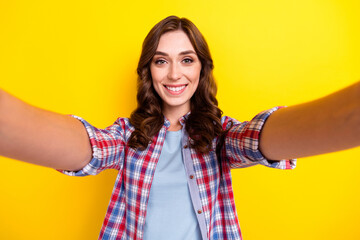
{"x":182,"y":120}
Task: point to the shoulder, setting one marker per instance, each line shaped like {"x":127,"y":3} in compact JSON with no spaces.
{"x":121,"y":126}
{"x":123,"y":122}
{"x":228,"y":122}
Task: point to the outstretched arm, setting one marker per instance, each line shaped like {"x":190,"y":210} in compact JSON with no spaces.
{"x":328,"y":124}
{"x":41,"y":137}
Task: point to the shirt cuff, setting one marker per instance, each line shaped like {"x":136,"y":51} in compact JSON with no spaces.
{"x":94,"y":166}
{"x":252,"y":150}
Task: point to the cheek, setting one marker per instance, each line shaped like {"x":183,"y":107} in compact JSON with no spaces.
{"x":154,"y":79}
{"x":198,"y":71}
{"x":196,"y":75}
{"x":156,"y":75}
{"x":152,"y":73}
{"x":192,"y":73}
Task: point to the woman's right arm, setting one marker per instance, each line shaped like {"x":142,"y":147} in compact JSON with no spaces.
{"x":41,"y":137}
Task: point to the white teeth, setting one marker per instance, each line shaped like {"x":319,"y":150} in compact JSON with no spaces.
{"x":175,"y":89}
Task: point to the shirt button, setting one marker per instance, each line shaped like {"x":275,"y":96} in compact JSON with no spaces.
{"x":199,"y":211}
{"x":185,"y":146}
{"x":191,"y":176}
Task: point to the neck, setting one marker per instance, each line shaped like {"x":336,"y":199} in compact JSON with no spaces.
{"x":173,"y":115}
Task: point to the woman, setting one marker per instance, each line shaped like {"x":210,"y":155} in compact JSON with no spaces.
{"x":175,"y":152}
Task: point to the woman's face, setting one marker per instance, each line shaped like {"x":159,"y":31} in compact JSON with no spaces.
{"x":175,"y":71}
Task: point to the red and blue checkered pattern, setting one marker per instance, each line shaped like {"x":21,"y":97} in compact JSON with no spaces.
{"x":125,"y":217}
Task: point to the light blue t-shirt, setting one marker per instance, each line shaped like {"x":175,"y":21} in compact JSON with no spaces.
{"x":170,"y":212}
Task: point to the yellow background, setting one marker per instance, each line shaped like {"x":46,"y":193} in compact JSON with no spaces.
{"x":80,"y":57}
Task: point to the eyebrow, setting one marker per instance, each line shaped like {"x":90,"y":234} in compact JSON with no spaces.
{"x":181,"y":53}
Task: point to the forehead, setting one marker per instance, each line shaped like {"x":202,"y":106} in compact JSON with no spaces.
{"x":174,"y":41}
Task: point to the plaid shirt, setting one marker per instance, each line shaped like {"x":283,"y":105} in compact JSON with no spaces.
{"x":125,"y":217}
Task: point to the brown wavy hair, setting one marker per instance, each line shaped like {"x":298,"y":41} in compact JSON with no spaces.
{"x":204,"y":122}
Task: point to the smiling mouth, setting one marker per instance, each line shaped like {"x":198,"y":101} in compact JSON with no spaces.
{"x":175,"y":89}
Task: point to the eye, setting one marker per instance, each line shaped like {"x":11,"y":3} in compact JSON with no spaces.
{"x":160,"y":61}
{"x":188,"y":60}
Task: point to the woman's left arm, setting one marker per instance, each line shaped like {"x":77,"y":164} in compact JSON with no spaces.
{"x":328,"y":124}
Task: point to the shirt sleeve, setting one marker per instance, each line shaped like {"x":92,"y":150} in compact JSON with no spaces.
{"x":107,"y":145}
{"x":242,"y":143}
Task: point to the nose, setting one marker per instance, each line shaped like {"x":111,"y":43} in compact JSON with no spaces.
{"x":174,"y":72}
